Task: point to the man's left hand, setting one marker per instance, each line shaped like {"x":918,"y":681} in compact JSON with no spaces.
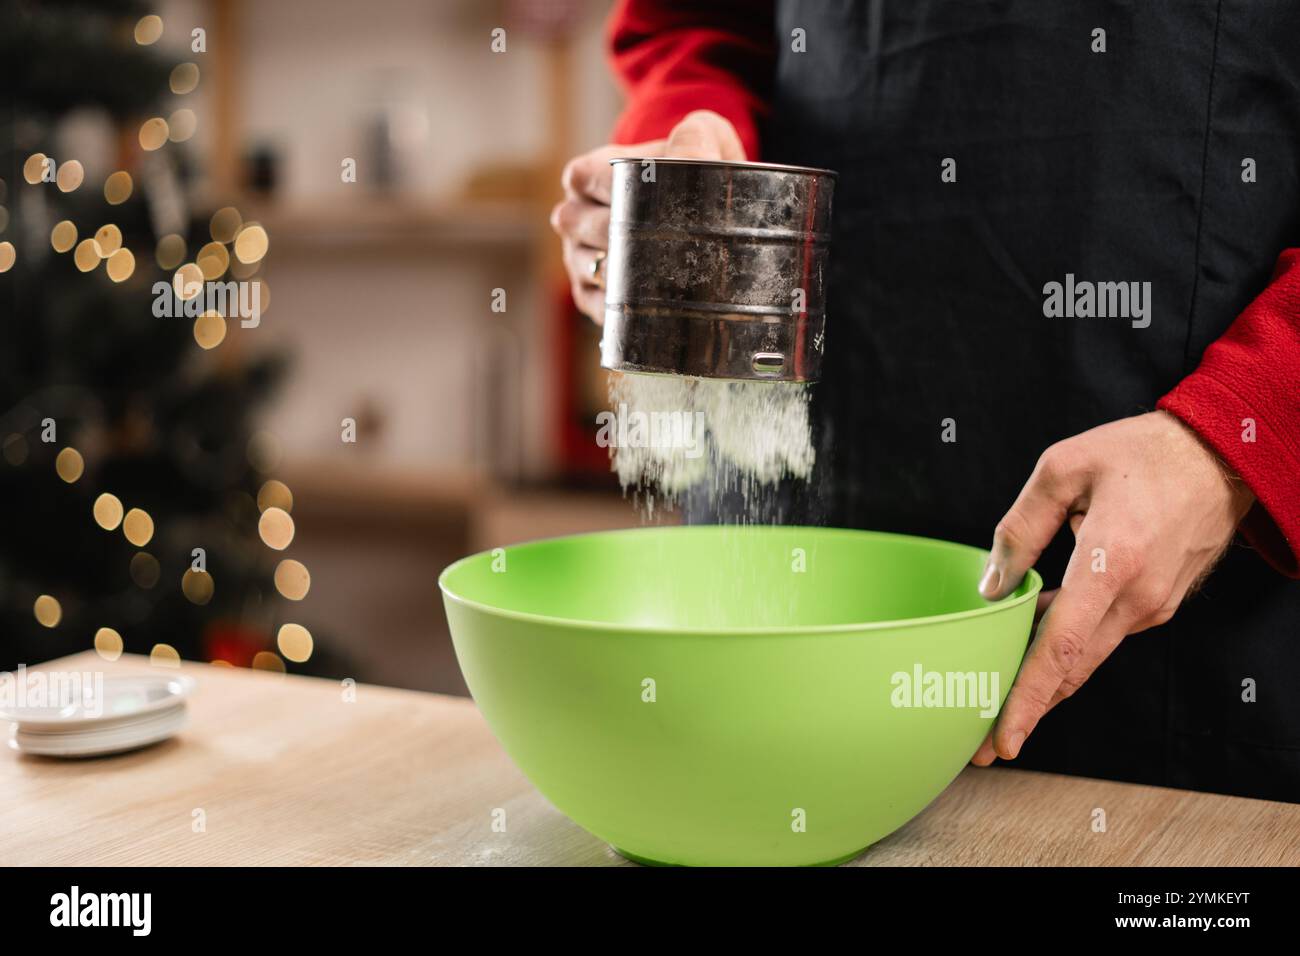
{"x":1152,"y":509}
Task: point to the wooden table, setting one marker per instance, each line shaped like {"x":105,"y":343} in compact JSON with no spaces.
{"x":287,"y":772}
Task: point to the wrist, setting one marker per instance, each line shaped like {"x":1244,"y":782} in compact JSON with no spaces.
{"x":1240,"y":498}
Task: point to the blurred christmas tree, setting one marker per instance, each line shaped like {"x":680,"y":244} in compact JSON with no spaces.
{"x":130,"y":477}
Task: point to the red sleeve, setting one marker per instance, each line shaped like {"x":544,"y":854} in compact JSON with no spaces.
{"x":1252,"y":375}
{"x":675,"y":57}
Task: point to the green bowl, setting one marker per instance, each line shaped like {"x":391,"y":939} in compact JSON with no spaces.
{"x":736,"y":695}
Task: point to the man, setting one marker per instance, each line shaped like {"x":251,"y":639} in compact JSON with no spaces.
{"x":1057,"y":226}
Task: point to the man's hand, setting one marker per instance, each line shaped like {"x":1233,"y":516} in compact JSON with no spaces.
{"x":1151,"y":508}
{"x":582,"y":218}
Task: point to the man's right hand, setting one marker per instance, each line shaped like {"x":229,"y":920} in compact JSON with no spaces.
{"x":582,"y":217}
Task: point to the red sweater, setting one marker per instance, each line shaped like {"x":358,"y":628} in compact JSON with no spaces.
{"x":672,"y":58}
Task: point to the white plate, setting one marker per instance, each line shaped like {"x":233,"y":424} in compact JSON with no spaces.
{"x":96,"y":741}
{"x":122,"y":698}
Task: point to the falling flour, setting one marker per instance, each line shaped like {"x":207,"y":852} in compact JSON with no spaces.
{"x":668,"y":434}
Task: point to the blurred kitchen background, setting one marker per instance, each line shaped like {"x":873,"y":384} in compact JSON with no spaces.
{"x":474,"y":428}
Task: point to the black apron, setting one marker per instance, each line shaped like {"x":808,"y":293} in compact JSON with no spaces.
{"x":1117,"y":166}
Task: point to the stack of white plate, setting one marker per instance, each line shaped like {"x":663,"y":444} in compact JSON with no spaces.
{"x":124,"y":713}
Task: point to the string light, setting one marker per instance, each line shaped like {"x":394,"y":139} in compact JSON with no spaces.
{"x":181,"y":125}
{"x":108,"y":511}
{"x":212,"y":260}
{"x":225,"y":224}
{"x":276,"y":528}
{"x":48,"y":611}
{"x":292,"y":579}
{"x":108,"y":644}
{"x":209,"y":329}
{"x":34,"y":168}
{"x":197,"y":586}
{"x":153,"y":133}
{"x":70,"y":176}
{"x":170,"y":251}
{"x":69,"y":465}
{"x":88,"y":255}
{"x":252,"y":243}
{"x":274,"y":494}
{"x":117,"y":188}
{"x":268,"y":661}
{"x":145,"y":570}
{"x":294,"y":642}
{"x":185,"y":76}
{"x":244,"y":270}
{"x":109,"y":238}
{"x":188,"y":281}
{"x":164,"y":655}
{"x":138,"y":527}
{"x":121,"y":265}
{"x":63,"y":236}
{"x":8,"y":256}
{"x":148,"y":29}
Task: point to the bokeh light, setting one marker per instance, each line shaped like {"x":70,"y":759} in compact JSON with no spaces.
{"x":138,"y":527}
{"x":148,"y":29}
{"x":108,"y":644}
{"x":153,"y":133}
{"x":181,"y":125}
{"x":274,"y":494}
{"x":145,"y":570}
{"x":209,"y":329}
{"x":48,"y":611}
{"x":117,"y":188}
{"x":164,"y":655}
{"x":121,"y":265}
{"x":294,"y":642}
{"x":170,"y":251}
{"x":87,"y":256}
{"x":225,"y":224}
{"x":63,"y":236}
{"x":109,"y":239}
{"x":276,"y":528}
{"x":108,"y":511}
{"x":244,"y":270}
{"x":252,"y":243}
{"x":197,"y":586}
{"x":212,"y":260}
{"x":188,"y":281}
{"x":71,"y":174}
{"x":268,"y":661}
{"x":34,"y":168}
{"x":292,"y":579}
{"x":69,"y":465}
{"x":185,"y":76}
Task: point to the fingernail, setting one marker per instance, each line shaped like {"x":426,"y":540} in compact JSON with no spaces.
{"x":1013,"y":745}
{"x":991,"y":581}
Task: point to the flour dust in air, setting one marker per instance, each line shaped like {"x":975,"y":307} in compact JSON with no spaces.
{"x":670,"y":434}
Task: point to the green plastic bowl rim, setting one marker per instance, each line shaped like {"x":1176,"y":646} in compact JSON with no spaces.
{"x":1031,"y":585}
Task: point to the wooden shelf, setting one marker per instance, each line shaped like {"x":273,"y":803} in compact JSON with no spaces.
{"x":388,"y":222}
